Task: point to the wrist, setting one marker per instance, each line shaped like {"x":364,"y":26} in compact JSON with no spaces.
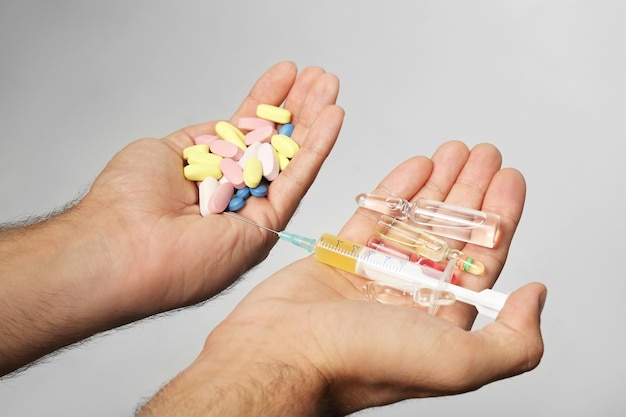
{"x":235,"y":377}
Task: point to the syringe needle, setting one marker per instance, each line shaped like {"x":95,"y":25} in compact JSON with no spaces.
{"x":305,"y":243}
{"x":243,"y":219}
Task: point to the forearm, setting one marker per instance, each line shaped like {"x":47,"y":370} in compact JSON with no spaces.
{"x":53,"y":287}
{"x":231,"y":378}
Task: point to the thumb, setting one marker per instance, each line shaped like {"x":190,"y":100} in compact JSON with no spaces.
{"x":509,"y":346}
{"x":513,"y":344}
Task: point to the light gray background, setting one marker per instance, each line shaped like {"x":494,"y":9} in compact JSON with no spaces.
{"x":542,"y":80}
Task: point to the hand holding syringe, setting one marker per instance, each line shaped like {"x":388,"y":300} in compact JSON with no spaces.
{"x":432,"y":287}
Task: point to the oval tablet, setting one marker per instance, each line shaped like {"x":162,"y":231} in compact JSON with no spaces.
{"x":273,"y":113}
{"x":243,"y":192}
{"x":226,"y":149}
{"x":232,"y":172}
{"x":204,"y":158}
{"x":236,"y":204}
{"x":220,"y":198}
{"x":200,"y":172}
{"x":230,"y":134}
{"x":205,"y":191}
{"x":285,"y":145}
{"x":260,"y":191}
{"x":252,"y":123}
{"x":286,"y":129}
{"x":269,"y":160}
{"x":253,"y":172}
{"x":250,"y":152}
{"x":283,"y":161}
{"x":262,"y":134}
{"x":202,"y":148}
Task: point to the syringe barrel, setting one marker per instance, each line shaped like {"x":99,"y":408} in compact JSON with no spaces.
{"x":358,"y":259}
{"x":337,"y":252}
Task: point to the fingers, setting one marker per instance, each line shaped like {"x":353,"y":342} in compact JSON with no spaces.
{"x":316,"y":130}
{"x":317,"y":121}
{"x":505,"y":196}
{"x":448,"y":161}
{"x":404,"y":182}
{"x":454,"y":174}
{"x":271,"y":88}
{"x":472,"y":181}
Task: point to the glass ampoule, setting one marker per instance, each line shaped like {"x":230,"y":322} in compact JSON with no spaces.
{"x":407,"y":295}
{"x":424,"y":244}
{"x":438,"y":218}
{"x":382,"y":245}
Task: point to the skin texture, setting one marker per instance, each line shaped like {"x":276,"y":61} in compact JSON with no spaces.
{"x":136,"y":245}
{"x":304,"y":343}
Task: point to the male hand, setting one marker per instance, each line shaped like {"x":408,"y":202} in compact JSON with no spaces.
{"x":303,"y":342}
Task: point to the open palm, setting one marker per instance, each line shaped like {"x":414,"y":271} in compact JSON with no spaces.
{"x":165,"y":254}
{"x":311,"y":317}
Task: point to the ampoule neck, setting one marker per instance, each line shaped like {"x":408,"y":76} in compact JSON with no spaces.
{"x":392,"y":206}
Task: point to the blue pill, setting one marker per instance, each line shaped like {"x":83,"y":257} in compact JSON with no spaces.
{"x":243,"y":192}
{"x":286,"y":129}
{"x":236,"y":204}
{"x":260,"y":191}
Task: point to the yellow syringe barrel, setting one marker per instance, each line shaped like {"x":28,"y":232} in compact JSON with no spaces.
{"x":337,"y":252}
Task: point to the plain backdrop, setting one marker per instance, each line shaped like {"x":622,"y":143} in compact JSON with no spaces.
{"x":542,"y":80}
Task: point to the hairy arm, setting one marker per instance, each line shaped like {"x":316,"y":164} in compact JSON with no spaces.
{"x":53,"y":287}
{"x":136,"y":244}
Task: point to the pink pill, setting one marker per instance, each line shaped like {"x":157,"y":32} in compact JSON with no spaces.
{"x":252,"y":123}
{"x":269,"y":160}
{"x":251,"y":151}
{"x":226,"y":149}
{"x":221,"y":197}
{"x":262,"y":134}
{"x":204,"y":139}
{"x":206,"y":189}
{"x":232,"y":172}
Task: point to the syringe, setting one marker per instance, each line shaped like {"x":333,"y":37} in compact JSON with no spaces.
{"x":382,"y":267}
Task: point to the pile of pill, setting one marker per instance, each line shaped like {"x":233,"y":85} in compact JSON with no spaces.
{"x":240,"y":160}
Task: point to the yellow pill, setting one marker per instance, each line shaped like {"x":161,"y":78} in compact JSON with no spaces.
{"x":285,"y":145}
{"x":204,"y":158}
{"x":283,"y":161}
{"x":200,"y":172}
{"x":253,"y":172}
{"x":202,"y":148}
{"x":273,"y":113}
{"x":230,"y":133}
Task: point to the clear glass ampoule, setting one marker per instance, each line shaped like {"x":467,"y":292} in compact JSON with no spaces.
{"x":438,"y":218}
{"x":407,"y":295}
{"x":424,"y":244}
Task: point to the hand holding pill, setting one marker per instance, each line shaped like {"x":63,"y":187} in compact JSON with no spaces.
{"x":189,"y":249}
{"x":146,"y":246}
{"x":311,"y":329}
